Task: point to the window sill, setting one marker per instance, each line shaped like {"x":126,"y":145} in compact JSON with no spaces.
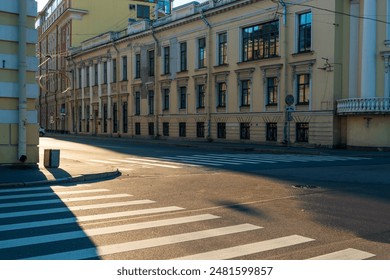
{"x":260,"y":59}
{"x":221,"y":65}
{"x":303,"y":53}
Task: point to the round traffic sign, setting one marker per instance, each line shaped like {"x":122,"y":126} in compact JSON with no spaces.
{"x":289,"y":99}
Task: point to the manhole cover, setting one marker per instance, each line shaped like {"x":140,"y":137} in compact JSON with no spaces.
{"x":304,"y":186}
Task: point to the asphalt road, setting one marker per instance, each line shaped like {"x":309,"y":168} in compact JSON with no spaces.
{"x":174,"y":201}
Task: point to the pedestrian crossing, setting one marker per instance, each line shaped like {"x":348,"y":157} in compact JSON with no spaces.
{"x":44,"y":231}
{"x":219,"y":160}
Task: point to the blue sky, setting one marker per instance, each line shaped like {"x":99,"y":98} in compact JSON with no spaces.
{"x":42,"y":3}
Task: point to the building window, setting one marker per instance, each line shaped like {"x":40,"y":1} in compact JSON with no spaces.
{"x":303,"y":88}
{"x":272,"y":132}
{"x":87,"y":76}
{"x":80,"y":118}
{"x":151,"y":63}
{"x":137,"y":128}
{"x":165,"y":99}
{"x":272,"y":91}
{"x":143,"y":11}
{"x":166,"y":60}
{"x":124,"y":68}
{"x":115,"y":117}
{"x":105,"y":72}
{"x":200,"y":129}
{"x":222,"y":49}
{"x":96,"y":74}
{"x":245,"y":93}
{"x":105,"y":117}
{"x":201,"y":96}
{"x":221,"y":130}
{"x":183,"y":56}
{"x":124,"y":117}
{"x":261,"y":41}
{"x":183,"y":97}
{"x":182,"y":129}
{"x":302,"y":132}
{"x":80,"y":77}
{"x":201,"y":53}
{"x":88,"y":115}
{"x":137,"y":103}
{"x":151,"y":102}
{"x":114,"y":70}
{"x":137,"y":66}
{"x":151,"y":128}
{"x":245,"y":131}
{"x":166,"y":129}
{"x":221,"y":94}
{"x":304,"y":32}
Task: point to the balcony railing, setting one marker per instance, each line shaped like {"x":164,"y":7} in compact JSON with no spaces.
{"x":375,"y":105}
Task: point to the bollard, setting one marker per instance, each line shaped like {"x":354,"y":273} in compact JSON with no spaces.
{"x":51,"y":158}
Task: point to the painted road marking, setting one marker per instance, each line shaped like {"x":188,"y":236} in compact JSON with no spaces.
{"x":248,"y":249}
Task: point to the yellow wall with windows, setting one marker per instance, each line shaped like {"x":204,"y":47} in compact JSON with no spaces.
{"x":101,"y":19}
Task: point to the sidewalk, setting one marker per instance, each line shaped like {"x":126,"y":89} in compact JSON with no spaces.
{"x":71,"y":171}
{"x":67,"y":172}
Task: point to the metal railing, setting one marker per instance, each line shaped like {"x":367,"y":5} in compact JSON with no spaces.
{"x":374,"y":105}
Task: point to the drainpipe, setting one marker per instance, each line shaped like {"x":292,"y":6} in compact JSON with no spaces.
{"x":156,"y":94}
{"x":286,"y":136}
{"x":209,"y":81}
{"x":22,"y":139}
{"x":118,"y":89}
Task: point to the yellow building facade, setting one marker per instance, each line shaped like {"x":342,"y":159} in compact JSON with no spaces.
{"x":252,"y":71}
{"x":63,"y":25}
{"x":18,"y":90}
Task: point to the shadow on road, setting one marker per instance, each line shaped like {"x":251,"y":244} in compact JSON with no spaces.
{"x":355,"y":195}
{"x":11,"y":173}
{"x":36,"y":224}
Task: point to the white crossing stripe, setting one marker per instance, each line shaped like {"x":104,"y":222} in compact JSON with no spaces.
{"x":57,"y":200}
{"x":88,"y":218}
{"x":17,"y":196}
{"x":193,"y":161}
{"x":248,"y":249}
{"x":155,"y":160}
{"x":72,"y":208}
{"x":34,"y":240}
{"x":148,"y":163}
{"x":144,"y":244}
{"x":102,"y":161}
{"x":347,"y":254}
{"x":213,"y":158}
{"x":239,"y":158}
{"x":86,"y":198}
{"x":46,"y":188}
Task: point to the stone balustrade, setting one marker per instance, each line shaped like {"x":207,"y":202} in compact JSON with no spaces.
{"x":375,"y":105}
